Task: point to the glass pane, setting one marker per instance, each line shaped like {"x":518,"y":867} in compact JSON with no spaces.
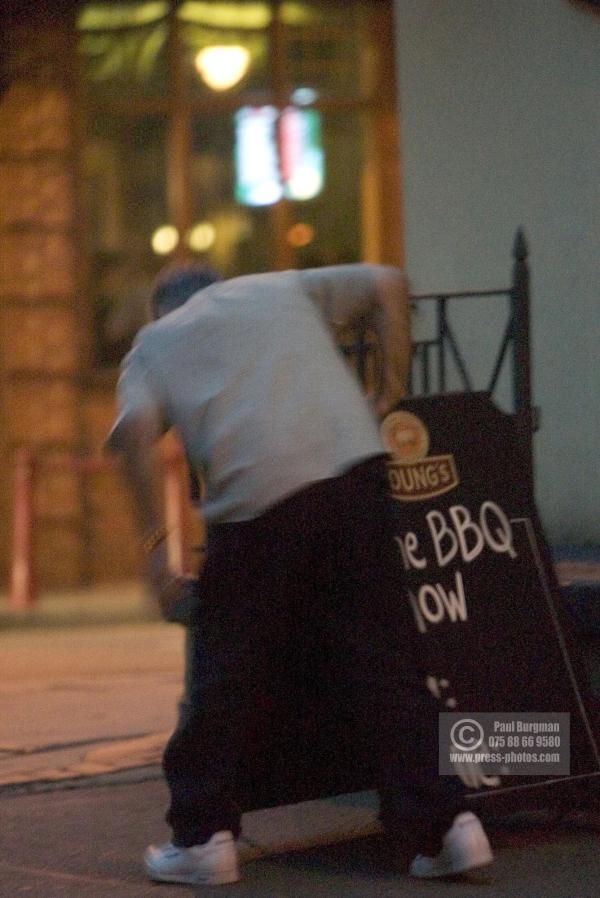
{"x":226,"y":46}
{"x":327,"y":230}
{"x":327,"y":48}
{"x":124,"y":165}
{"x":124,"y":48}
{"x":234,"y":238}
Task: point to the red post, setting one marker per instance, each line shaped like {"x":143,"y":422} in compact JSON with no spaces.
{"x":23,"y":588}
{"x":175,"y":513}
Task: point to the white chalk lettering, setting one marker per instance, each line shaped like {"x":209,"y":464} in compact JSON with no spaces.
{"x":455,"y":603}
{"x":463,"y":525}
{"x":440,"y":533}
{"x":502,"y":539}
{"x":433,"y":613}
{"x":467,"y":538}
{"x":421,"y":625}
{"x":409,"y":546}
{"x":403,"y":555}
{"x":412,"y":545}
{"x":434,"y":604}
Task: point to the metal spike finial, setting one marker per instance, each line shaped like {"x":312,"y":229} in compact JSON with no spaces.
{"x":520,"y":248}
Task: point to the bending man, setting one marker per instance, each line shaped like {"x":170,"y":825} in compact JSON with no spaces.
{"x":296,"y":504}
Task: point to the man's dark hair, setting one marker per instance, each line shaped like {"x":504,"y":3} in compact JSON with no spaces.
{"x":175,"y":286}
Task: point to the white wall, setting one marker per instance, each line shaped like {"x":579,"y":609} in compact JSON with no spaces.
{"x":500,"y":118}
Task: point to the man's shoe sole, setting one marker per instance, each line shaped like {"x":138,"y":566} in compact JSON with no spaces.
{"x":455,"y":869}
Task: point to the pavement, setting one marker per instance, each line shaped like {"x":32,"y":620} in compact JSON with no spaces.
{"x":88,"y":842}
{"x":89,"y":686}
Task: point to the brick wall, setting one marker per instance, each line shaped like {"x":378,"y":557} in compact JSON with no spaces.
{"x":42,"y":322}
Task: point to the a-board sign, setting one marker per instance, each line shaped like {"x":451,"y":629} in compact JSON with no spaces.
{"x":486,"y":605}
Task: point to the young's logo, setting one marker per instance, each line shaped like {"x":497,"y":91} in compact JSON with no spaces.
{"x":413,"y":474}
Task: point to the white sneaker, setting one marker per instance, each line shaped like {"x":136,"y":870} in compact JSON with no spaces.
{"x":214,"y":863}
{"x":465,"y":846}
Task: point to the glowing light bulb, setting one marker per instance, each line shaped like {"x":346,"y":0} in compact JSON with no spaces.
{"x":305,"y":183}
{"x":300,"y":234}
{"x":304,"y":96}
{"x":222,"y":67}
{"x":165,"y":239}
{"x":201,"y":237}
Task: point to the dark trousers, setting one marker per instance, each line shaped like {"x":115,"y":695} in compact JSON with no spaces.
{"x":319,"y":568}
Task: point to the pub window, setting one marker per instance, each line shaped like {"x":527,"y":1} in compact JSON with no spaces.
{"x":241,"y":134}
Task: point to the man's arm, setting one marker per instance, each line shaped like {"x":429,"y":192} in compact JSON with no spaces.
{"x":135,"y":435}
{"x":377,"y":295}
{"x":136,"y":441}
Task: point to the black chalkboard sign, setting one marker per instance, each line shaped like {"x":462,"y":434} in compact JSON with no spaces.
{"x":486,"y":603}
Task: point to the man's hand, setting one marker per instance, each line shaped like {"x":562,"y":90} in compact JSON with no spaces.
{"x":167,"y":588}
{"x":380,"y":405}
{"x":372,"y":295}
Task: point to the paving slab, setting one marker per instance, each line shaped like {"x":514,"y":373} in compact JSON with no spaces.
{"x":77,"y":701}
